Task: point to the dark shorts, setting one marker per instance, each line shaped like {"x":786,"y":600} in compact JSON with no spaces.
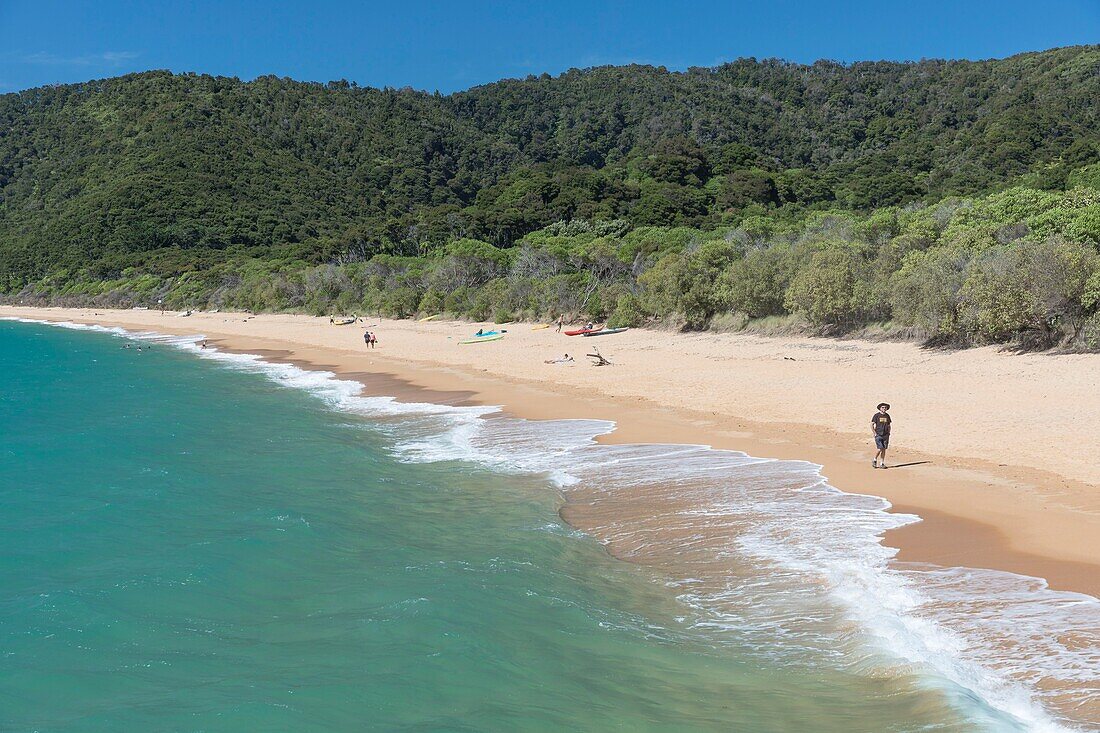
{"x":882,"y":442}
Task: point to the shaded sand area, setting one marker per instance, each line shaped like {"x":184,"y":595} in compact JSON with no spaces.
{"x":996,"y":452}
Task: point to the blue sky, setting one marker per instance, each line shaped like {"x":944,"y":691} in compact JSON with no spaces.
{"x":454,"y":45}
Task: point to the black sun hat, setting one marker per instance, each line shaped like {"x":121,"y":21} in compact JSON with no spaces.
{"x":883,"y":404}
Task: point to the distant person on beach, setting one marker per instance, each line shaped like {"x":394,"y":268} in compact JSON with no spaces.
{"x":561,"y":321}
{"x":203,"y":347}
{"x":366,"y":337}
{"x":373,"y":339}
{"x":880,"y":429}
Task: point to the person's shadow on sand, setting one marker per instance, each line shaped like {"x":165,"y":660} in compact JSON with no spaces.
{"x":914,"y":463}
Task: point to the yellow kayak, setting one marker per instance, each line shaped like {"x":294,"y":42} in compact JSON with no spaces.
{"x":540,"y":326}
{"x":429,"y":318}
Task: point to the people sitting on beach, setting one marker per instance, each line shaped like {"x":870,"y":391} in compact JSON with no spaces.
{"x":880,"y":429}
{"x":480,"y":332}
{"x":589,"y":326}
{"x":567,"y":359}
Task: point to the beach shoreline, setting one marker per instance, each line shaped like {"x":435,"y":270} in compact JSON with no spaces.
{"x":1033,"y":517}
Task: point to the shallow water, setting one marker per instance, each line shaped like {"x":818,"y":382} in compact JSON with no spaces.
{"x":219,"y":544}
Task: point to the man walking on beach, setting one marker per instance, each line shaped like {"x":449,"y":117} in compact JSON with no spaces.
{"x":880,"y":428}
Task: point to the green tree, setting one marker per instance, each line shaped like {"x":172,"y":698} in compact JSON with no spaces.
{"x":825,"y":291}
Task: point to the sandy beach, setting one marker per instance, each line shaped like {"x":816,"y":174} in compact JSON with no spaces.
{"x":994,"y":451}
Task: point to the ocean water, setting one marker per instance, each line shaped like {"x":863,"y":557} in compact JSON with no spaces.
{"x":197,"y":541}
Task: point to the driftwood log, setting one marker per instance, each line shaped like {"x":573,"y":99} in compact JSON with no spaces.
{"x":598,"y":358}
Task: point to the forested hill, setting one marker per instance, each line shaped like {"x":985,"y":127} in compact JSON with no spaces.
{"x":92,"y":173}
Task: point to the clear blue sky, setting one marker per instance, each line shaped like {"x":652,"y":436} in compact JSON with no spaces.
{"x":453,"y":45}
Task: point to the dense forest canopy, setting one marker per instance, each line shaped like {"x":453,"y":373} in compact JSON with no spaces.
{"x":750,"y":190}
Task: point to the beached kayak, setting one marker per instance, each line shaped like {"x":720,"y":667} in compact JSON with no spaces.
{"x":540,"y":326}
{"x":342,"y":321}
{"x":605,"y":331}
{"x":483,"y":334}
{"x":583,"y":331}
{"x":483,"y":339}
{"x":429,"y":318}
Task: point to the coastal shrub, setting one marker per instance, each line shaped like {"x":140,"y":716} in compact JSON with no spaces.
{"x":469,"y":263}
{"x":1019,"y":265}
{"x":371,"y":302}
{"x":685,"y":283}
{"x":1090,"y":332}
{"x":1058,"y":274}
{"x":628,"y":312}
{"x":432,"y":302}
{"x":1086,"y":177}
{"x":754,"y":285}
{"x":727,"y":322}
{"x":996,"y":301}
{"x":1084,"y":225}
{"x":488,"y":299}
{"x":593,"y":309}
{"x":1090,"y":296}
{"x":400,"y":302}
{"x":924,"y":292}
{"x":824,"y":292}
{"x":1034,"y":291}
{"x":565,"y":293}
{"x":459,"y":300}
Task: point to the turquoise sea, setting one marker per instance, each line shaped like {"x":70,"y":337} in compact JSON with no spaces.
{"x":215,"y":544}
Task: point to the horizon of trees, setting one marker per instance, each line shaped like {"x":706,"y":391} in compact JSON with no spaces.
{"x":951,"y":200}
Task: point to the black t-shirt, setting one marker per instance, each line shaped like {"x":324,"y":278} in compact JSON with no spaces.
{"x":881,"y":423}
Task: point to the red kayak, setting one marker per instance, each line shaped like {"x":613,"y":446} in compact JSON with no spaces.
{"x":583,"y":331}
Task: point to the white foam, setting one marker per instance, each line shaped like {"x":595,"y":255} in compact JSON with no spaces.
{"x":814,"y":574}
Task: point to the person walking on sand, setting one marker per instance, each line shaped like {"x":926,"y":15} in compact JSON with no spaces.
{"x":880,"y":429}
{"x":373,"y":339}
{"x":366,"y":337}
{"x":561,"y":321}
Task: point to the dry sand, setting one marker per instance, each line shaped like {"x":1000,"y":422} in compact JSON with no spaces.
{"x":1004,"y":450}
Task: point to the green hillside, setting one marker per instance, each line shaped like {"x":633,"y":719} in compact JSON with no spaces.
{"x":752,"y":190}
